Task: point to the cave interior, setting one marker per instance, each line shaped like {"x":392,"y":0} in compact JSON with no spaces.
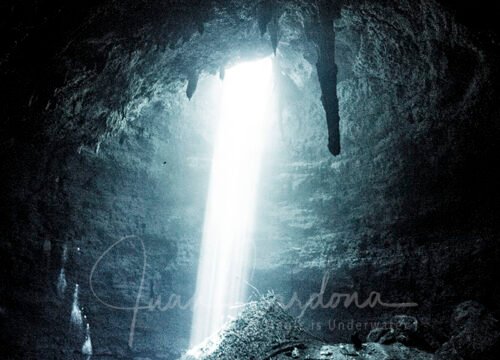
{"x":373,"y":202}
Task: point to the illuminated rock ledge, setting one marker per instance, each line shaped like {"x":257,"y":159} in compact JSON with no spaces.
{"x":265,"y":331}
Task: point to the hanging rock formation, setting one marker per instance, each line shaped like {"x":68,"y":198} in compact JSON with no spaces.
{"x":327,"y":70}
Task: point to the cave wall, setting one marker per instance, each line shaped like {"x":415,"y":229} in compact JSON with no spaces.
{"x":408,"y":209}
{"x":100,"y":142}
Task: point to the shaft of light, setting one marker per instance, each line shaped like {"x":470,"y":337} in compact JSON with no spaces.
{"x":226,"y":245}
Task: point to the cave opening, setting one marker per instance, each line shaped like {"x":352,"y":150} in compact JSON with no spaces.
{"x":245,"y":115}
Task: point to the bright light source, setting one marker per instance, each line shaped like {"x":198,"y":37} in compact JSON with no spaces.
{"x":229,"y":218}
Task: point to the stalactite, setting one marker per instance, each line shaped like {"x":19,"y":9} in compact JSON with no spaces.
{"x":267,"y":18}
{"x":273,"y":30}
{"x":327,"y":71}
{"x":264,"y":15}
{"x":192,"y":84}
{"x":222,"y":72}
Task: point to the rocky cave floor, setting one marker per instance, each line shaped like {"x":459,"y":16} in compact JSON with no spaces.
{"x":265,"y":331}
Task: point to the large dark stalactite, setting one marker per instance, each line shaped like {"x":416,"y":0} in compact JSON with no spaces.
{"x":327,"y":72}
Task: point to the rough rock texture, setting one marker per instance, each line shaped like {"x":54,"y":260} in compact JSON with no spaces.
{"x":265,"y":331}
{"x":409,"y":200}
{"x":262,"y":330}
{"x":99,"y":141}
{"x":475,"y":334}
{"x":408,"y":331}
{"x":370,"y":351}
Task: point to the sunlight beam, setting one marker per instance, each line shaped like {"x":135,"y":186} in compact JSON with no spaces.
{"x":227,"y":238}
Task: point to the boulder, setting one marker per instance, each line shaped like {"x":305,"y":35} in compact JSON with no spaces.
{"x":408,"y":331}
{"x":475,"y":334}
{"x":401,"y":328}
